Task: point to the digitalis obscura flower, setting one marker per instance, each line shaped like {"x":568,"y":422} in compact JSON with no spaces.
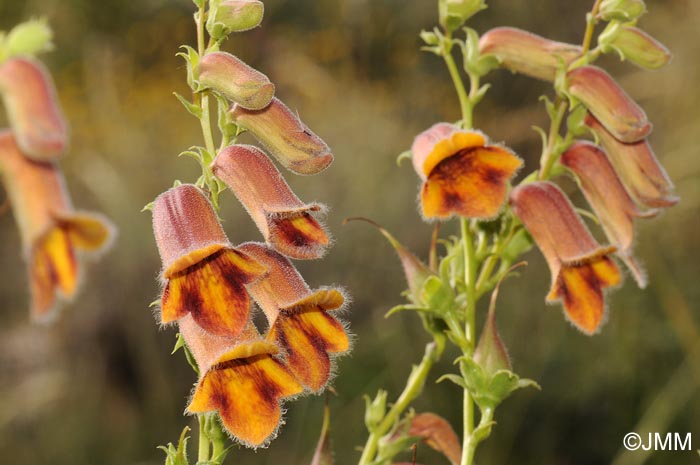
{"x":299,"y":319}
{"x":204,"y":274}
{"x":581,"y":269}
{"x":286,"y":222}
{"x":462,"y":173}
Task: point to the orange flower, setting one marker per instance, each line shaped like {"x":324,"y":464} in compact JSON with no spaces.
{"x":239,"y":379}
{"x":299,"y":320}
{"x":285,"y":221}
{"x":51,"y":230}
{"x":204,"y":274}
{"x":462,"y":174}
{"x":580,"y":267}
{"x":608,"y":198}
{"x":32,"y":108}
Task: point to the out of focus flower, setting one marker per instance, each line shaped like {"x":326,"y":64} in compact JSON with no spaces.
{"x":636,"y":165}
{"x":235,"y":80}
{"x":621,"y":10}
{"x":609,"y":103}
{"x":285,"y":136}
{"x":241,"y":380}
{"x":462,"y":174}
{"x":33,"y":109}
{"x":204,"y":274}
{"x":235,"y":16}
{"x":581,"y":269}
{"x":299,"y":318}
{"x":286,"y":222}
{"x":526,"y":53}
{"x":50,"y":229}
{"x":637,"y":46}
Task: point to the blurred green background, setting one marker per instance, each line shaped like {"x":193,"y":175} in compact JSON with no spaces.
{"x":99,"y":386}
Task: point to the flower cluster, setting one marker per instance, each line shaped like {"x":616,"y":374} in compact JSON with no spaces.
{"x":52,"y":232}
{"x":209,"y":284}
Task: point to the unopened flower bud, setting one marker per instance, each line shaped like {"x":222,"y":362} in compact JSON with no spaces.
{"x":609,"y":103}
{"x":637,"y":46}
{"x":526,"y":53}
{"x":491,"y":353}
{"x":454,"y":13}
{"x":235,"y":16}
{"x":235,"y":80}
{"x":621,"y":10}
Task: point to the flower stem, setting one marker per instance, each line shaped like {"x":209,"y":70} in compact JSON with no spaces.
{"x":470,"y":271}
{"x":464,"y":100}
{"x":203,"y":446}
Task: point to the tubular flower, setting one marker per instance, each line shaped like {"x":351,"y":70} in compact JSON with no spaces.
{"x":235,"y":80}
{"x":609,"y":103}
{"x":639,"y":47}
{"x":32,"y":108}
{"x":607,"y":196}
{"x":236,"y":16}
{"x":285,"y":221}
{"x":640,"y":172}
{"x":580,"y":267}
{"x":298,"y":317}
{"x":285,"y":136}
{"x":526,"y":53}
{"x":51,"y":230}
{"x":204,"y":274}
{"x":461,"y":173}
{"x":241,"y":380}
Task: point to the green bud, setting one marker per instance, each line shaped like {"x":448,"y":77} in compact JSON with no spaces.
{"x":637,"y":46}
{"x":429,"y":37}
{"x":491,"y":353}
{"x":454,"y":13}
{"x":375,"y":409}
{"x":234,"y":16}
{"x":29,"y":38}
{"x":621,"y":10}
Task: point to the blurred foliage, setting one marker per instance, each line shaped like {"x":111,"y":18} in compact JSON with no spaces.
{"x":100,"y":387}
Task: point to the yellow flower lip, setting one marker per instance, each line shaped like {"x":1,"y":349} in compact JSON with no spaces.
{"x":439,"y":142}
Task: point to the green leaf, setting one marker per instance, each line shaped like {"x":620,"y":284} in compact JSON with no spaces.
{"x":437,"y":296}
{"x":458,"y":380}
{"x":406,"y":155}
{"x":191,"y":58}
{"x":194,"y":110}
{"x":177,"y":456}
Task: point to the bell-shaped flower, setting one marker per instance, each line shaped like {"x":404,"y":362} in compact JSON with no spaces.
{"x":33,"y":109}
{"x":526,"y":53}
{"x":609,"y":103}
{"x":204,"y":274}
{"x":235,"y":80}
{"x":286,"y":222}
{"x":50,"y":229}
{"x":285,"y":136}
{"x":299,"y":319}
{"x":581,"y":269}
{"x":610,"y":201}
{"x":241,"y":380}
{"x":462,"y":174}
{"x":636,"y":165}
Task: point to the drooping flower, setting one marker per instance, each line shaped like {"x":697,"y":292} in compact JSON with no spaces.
{"x":33,"y":110}
{"x":581,"y":269}
{"x":50,"y":229}
{"x":462,"y":174}
{"x":637,"y":46}
{"x":285,"y":136}
{"x":204,"y":274}
{"x":299,"y":319}
{"x":240,"y":379}
{"x":610,"y":201}
{"x":235,"y":16}
{"x":609,"y":103}
{"x":526,"y":53}
{"x":235,"y":80}
{"x":637,"y":166}
{"x":286,"y":222}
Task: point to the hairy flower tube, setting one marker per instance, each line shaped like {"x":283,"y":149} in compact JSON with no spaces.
{"x":286,"y":222}
{"x":33,"y":109}
{"x":637,"y":46}
{"x":50,"y":229}
{"x":241,"y":380}
{"x":610,"y":201}
{"x":526,"y":53}
{"x":609,"y":103}
{"x":235,"y":80}
{"x":299,"y":319}
{"x":581,"y":269}
{"x":285,"y":136}
{"x":636,"y":165}
{"x":462,"y":174}
{"x":235,"y":16}
{"x":204,"y":274}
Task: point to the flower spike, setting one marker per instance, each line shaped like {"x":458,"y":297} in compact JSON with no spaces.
{"x":204,"y":274}
{"x":298,"y":317}
{"x":33,"y":109}
{"x":581,"y":269}
{"x":50,"y":229}
{"x":286,"y":222}
{"x":241,"y":380}
{"x":461,"y":173}
{"x":285,"y":136}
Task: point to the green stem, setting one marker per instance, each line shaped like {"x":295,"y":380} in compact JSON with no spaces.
{"x":471,"y":445}
{"x":470,"y":270}
{"x":203,"y":446}
{"x":464,"y":101}
{"x":551,"y":151}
